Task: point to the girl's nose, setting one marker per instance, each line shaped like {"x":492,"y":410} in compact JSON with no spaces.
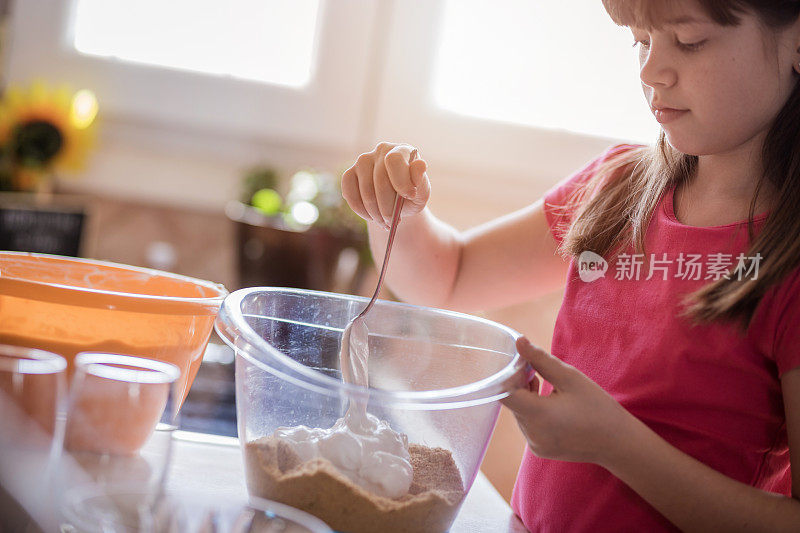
{"x":655,"y":69}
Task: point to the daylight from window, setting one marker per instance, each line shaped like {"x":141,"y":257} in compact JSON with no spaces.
{"x":555,"y":65}
{"x":271,"y":41}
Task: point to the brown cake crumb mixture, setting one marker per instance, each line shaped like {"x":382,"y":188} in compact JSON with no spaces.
{"x":275,"y":472}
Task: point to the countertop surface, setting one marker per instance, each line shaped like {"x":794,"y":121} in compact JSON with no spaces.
{"x":215,"y":463}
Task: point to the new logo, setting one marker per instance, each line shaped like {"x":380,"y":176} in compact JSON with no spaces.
{"x":591,"y":266}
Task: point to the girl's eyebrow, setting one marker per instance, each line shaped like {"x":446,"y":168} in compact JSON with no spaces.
{"x":684,"y":20}
{"x":679,"y":21}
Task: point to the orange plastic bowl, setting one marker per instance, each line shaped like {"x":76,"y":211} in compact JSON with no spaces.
{"x":67,"y":306}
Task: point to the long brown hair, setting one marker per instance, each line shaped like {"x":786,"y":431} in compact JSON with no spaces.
{"x":614,"y":208}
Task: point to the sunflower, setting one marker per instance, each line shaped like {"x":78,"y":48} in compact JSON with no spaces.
{"x":45,"y":129}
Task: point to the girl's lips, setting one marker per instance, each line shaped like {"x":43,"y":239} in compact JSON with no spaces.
{"x":668,"y":114}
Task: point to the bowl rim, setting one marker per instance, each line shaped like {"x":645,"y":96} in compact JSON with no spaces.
{"x":25,"y":360}
{"x":237,"y":333}
{"x":124,"y":300}
{"x":126,"y":368}
{"x":176,"y":496}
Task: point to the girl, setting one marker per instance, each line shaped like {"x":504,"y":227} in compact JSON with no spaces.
{"x":672,"y":399}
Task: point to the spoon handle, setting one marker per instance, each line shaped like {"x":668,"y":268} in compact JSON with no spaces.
{"x":398,"y":207}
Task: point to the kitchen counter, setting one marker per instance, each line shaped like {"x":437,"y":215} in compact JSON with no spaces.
{"x":215,"y":463}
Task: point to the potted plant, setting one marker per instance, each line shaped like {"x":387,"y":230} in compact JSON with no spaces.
{"x":306,"y":237}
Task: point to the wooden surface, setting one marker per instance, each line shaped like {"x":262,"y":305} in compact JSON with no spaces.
{"x":215,"y":464}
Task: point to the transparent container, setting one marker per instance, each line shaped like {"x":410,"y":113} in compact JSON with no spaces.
{"x":434,"y":375}
{"x":125,"y":509}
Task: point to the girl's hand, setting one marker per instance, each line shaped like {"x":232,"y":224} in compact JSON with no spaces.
{"x":577,"y":422}
{"x":370,"y":185}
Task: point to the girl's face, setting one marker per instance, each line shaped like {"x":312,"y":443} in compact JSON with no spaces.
{"x":716,"y":88}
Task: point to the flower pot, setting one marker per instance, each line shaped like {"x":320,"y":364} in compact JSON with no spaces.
{"x":272,"y":254}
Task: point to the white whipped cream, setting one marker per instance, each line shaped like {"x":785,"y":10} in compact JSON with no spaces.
{"x":360,"y":446}
{"x":369,"y":452}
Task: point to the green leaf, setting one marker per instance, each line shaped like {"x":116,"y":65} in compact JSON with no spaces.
{"x":268,"y":201}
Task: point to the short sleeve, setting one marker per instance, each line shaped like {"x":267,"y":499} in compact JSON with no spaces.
{"x":557,"y":198}
{"x":786,"y":345}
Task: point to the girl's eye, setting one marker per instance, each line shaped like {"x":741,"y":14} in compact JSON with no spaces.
{"x":643,"y":42}
{"x":691,"y":47}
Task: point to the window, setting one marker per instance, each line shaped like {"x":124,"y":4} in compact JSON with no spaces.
{"x":252,"y":69}
{"x":533,"y":89}
{"x":270,"y":41}
{"x":555,"y":65}
{"x":525,"y":88}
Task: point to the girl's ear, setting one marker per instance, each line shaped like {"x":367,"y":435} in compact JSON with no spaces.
{"x":797,"y":61}
{"x":794,"y":34}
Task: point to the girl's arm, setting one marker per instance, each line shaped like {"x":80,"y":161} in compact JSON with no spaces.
{"x":433,"y":264}
{"x":695,"y":497}
{"x":505,"y":261}
{"x":583,"y":423}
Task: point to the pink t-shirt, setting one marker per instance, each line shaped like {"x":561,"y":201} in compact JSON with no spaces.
{"x":710,"y":391}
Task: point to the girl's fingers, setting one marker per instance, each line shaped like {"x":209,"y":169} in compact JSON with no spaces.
{"x":366,"y":186}
{"x":525,"y":396}
{"x":418,"y":176}
{"x":396,"y":162}
{"x":384,"y":191}
{"x":371,"y":185}
{"x":351,"y":193}
{"x":549,"y":367}
{"x":534,"y":384}
{"x":521,"y":401}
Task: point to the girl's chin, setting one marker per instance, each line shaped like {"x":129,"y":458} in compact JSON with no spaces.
{"x":688,"y":146}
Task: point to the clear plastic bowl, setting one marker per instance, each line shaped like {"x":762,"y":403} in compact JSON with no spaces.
{"x":434,"y":375}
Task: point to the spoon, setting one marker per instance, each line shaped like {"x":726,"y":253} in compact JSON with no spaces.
{"x":354,"y":353}
{"x":398,"y":207}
